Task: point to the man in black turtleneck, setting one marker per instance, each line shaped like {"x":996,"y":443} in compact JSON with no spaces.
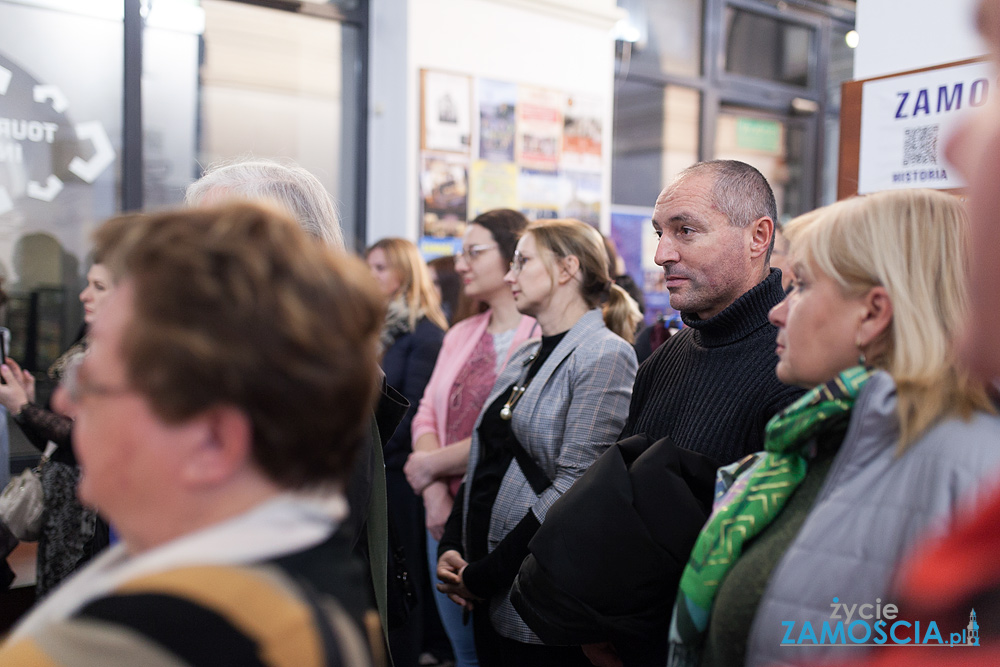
{"x":711,"y":387}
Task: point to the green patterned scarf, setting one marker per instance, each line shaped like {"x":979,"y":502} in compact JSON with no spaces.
{"x":753,"y":502}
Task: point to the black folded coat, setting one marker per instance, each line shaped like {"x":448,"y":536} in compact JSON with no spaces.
{"x":606,"y":562}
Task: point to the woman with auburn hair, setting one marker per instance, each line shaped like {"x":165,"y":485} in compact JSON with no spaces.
{"x":411,"y":339}
{"x":892,"y":440}
{"x":560,"y":401}
{"x":474,"y":352}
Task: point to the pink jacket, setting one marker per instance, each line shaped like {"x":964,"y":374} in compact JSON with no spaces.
{"x":459,"y":342}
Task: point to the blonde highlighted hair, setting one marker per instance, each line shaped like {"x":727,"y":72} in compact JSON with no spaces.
{"x":914,"y":243}
{"x":416,"y":286}
{"x":565,"y":238}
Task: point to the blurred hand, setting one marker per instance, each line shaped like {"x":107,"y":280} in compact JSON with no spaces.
{"x":437,"y":509}
{"x":451,"y":565}
{"x":419,"y":471}
{"x":26,"y":378}
{"x":13,"y":394}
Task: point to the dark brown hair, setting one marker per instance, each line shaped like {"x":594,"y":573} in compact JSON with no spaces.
{"x":506,"y":226}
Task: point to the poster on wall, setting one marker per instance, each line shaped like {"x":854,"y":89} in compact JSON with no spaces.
{"x":492,"y":185}
{"x":582,"y":127}
{"x":633,"y":235}
{"x":444,"y":192}
{"x":905,"y":123}
{"x":539,"y":128}
{"x":581,"y":196}
{"x":540,"y":194}
{"x":497,"y":120}
{"x":446,"y":111}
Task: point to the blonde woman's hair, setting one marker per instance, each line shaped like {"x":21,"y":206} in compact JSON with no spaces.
{"x":416,"y":286}
{"x":572,"y":237}
{"x":914,"y":243}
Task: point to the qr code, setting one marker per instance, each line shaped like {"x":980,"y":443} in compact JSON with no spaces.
{"x":921,"y":145}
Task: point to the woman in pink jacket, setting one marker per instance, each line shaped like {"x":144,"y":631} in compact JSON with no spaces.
{"x":474,"y":352}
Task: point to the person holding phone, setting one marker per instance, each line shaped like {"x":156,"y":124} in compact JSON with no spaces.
{"x":71,"y":533}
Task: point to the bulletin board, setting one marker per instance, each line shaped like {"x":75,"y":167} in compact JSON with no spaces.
{"x":487,"y":144}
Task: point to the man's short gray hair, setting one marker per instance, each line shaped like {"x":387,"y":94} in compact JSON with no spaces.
{"x":740,"y":192}
{"x":284,"y":184}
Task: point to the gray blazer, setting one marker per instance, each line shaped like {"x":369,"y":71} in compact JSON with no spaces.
{"x":573,"y":409}
{"x":871,"y":511}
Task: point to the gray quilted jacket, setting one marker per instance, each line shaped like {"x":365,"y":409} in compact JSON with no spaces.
{"x":572,"y":411}
{"x":871,"y":511}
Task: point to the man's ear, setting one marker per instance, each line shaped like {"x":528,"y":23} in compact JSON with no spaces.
{"x":876,"y":319}
{"x":761,"y":233}
{"x":223,"y":448}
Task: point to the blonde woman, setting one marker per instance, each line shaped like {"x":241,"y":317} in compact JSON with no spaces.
{"x":556,"y":406}
{"x":411,"y":339}
{"x":892,"y":440}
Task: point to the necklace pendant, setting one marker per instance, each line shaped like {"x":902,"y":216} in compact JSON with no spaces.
{"x":506,"y":413}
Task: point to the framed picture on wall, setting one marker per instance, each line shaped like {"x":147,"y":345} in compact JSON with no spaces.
{"x":446,"y":111}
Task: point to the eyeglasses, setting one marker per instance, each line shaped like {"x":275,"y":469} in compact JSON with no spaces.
{"x":470,"y":253}
{"x":517,"y":265}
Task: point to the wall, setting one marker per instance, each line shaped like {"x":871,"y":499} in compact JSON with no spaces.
{"x":560,"y":44}
{"x":900,"y":35}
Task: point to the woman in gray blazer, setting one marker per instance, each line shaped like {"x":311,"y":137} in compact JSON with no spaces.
{"x":558,"y":404}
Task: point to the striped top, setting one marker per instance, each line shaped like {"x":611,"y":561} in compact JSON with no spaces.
{"x":272,"y":613}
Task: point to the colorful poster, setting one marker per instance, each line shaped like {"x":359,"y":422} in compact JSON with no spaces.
{"x":539,"y":128}
{"x":540,"y":193}
{"x":432,"y":248}
{"x":447,"y":118}
{"x":492,"y":185}
{"x":497,"y":122}
{"x":906,"y":121}
{"x":633,"y":235}
{"x":444,"y":192}
{"x":581,"y":196}
{"x":582,"y":127}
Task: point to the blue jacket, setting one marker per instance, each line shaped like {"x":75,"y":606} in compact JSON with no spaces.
{"x":408,"y":364}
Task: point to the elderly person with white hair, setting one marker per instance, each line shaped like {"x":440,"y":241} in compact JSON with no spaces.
{"x":301,"y":195}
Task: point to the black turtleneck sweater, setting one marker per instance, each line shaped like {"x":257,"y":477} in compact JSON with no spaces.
{"x":711,"y":387}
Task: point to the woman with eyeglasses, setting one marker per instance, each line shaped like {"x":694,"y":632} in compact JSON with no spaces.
{"x":474,"y":352}
{"x":560,"y":401}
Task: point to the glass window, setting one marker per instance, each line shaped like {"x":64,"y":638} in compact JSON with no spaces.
{"x":841,"y":66}
{"x":663,"y":35}
{"x":763,"y":47}
{"x":831,"y":160}
{"x":60,"y":142}
{"x":655,"y":137}
{"x":776,"y":146}
{"x":170,"y":52}
{"x":278,"y":84}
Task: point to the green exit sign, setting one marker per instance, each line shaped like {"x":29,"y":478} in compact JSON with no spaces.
{"x":758,"y":135}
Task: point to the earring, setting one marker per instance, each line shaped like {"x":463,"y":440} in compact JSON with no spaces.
{"x":862,"y":360}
